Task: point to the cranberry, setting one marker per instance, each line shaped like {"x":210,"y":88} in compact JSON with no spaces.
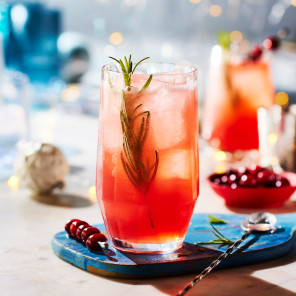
{"x":216,"y":178}
{"x":255,"y":169}
{"x":233,"y":185}
{"x":224,"y":179}
{"x":87,"y":232}
{"x":92,"y":243}
{"x":232,"y":179}
{"x":74,"y":226}
{"x":255,"y":53}
{"x":68,"y":225}
{"x":271,"y":42}
{"x":79,"y":231}
{"x":263,"y":177}
{"x":270,"y":180}
{"x":247,"y":181}
{"x":243,"y":171}
{"x":281,"y":181}
{"x":231,"y":172}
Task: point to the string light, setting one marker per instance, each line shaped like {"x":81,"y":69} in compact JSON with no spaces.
{"x":282,"y":98}
{"x":116,"y":38}
{"x":215,"y":10}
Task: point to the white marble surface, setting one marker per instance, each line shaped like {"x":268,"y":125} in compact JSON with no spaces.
{"x":28,"y":267}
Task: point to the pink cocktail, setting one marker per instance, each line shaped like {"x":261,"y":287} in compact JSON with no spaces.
{"x":147,"y":170}
{"x":235,"y":91}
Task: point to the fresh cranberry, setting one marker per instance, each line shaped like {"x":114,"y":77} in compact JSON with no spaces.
{"x":243,"y":171}
{"x":255,"y":53}
{"x":216,"y":178}
{"x":79,"y":231}
{"x":263,"y":177}
{"x":271,"y":42}
{"x":247,"y":181}
{"x":270,"y":180}
{"x":281,"y":181}
{"x":92,"y":243}
{"x":231,"y":172}
{"x":74,"y":226}
{"x":87,"y":232}
{"x":255,"y":169}
{"x":68,"y":225}
{"x":224,"y":180}
{"x":232,"y":179}
{"x":233,"y":185}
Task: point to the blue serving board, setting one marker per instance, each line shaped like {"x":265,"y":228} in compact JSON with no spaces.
{"x":191,"y":258}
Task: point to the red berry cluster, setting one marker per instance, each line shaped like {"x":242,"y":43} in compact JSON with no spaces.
{"x":255,"y":176}
{"x":86,"y":234}
{"x":270,"y":43}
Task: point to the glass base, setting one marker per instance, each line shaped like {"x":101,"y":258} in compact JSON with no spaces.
{"x":146,"y":248}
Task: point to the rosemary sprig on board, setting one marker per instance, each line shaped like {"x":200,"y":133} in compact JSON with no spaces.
{"x":135,"y":127}
{"x":221,"y":239}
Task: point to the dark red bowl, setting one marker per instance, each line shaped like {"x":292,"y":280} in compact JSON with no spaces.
{"x":257,"y":197}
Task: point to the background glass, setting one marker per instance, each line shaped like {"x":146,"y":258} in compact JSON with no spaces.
{"x":235,"y":91}
{"x":14,"y":117}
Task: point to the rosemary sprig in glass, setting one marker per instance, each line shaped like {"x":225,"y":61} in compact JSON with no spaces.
{"x":141,"y":173}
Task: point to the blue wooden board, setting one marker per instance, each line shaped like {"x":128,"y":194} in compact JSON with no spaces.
{"x":113,"y":263}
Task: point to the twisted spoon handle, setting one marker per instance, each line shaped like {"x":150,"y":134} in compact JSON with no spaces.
{"x":206,"y":271}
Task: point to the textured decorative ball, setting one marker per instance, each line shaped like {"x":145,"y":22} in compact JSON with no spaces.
{"x":41,"y":167}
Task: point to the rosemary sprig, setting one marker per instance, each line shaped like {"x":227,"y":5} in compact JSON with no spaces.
{"x":128,"y":69}
{"x":215,"y":220}
{"x":221,"y":239}
{"x":135,"y":127}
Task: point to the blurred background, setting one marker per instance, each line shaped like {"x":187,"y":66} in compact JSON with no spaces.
{"x":51,"y":53}
{"x":60,"y":41}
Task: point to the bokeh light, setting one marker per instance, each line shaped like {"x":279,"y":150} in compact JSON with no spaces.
{"x":215,"y":10}
{"x":13,"y":183}
{"x":92,"y":193}
{"x":236,"y":36}
{"x":293,"y":2}
{"x":116,"y":38}
{"x":220,"y":155}
{"x":282,"y":98}
{"x":272,"y":138}
{"x":195,"y":1}
{"x":71,"y":93}
{"x":220,"y":168}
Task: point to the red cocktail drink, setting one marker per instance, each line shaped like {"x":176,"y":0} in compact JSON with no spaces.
{"x":147,"y":172}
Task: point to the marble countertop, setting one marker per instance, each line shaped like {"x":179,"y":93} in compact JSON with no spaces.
{"x":29,"y":267}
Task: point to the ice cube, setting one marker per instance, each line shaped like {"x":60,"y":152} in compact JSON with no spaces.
{"x":167,"y":129}
{"x":174,"y":163}
{"x":171,"y":78}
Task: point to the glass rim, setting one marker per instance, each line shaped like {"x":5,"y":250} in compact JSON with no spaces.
{"x":193,"y":70}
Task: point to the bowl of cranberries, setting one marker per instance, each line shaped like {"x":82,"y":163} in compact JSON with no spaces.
{"x":254,"y":187}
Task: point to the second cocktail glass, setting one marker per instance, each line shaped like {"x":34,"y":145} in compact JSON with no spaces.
{"x":235,"y":91}
{"x":147,"y":167}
